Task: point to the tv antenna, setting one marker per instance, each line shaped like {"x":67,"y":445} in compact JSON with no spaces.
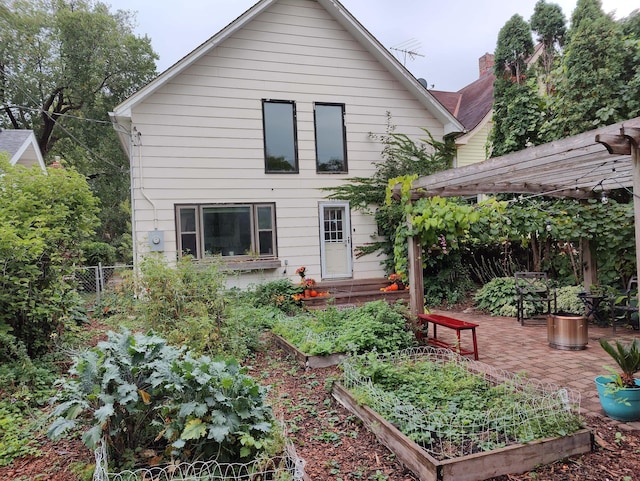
{"x":409,"y":49}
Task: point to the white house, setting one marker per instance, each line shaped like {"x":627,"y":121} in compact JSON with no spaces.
{"x":22,"y":147}
{"x":230,"y":146}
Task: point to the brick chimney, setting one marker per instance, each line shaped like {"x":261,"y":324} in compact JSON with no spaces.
{"x":486,"y":63}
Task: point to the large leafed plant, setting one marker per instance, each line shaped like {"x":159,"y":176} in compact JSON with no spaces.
{"x":137,"y":394}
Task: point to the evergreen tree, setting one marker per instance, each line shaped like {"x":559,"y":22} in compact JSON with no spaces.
{"x":516,"y":107}
{"x":588,"y":94}
{"x":549,"y":23}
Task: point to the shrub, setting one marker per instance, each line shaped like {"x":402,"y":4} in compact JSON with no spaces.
{"x":136,"y":392}
{"x":567,"y":300}
{"x":99,"y":253}
{"x":45,"y":219}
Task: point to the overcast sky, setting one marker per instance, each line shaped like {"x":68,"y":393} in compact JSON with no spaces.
{"x":449,"y":35}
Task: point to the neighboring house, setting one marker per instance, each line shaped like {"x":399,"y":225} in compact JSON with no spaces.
{"x":230,"y":147}
{"x":22,"y":147}
{"x":473,"y":107}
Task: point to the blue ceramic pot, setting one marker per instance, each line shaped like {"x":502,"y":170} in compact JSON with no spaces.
{"x":612,"y":403}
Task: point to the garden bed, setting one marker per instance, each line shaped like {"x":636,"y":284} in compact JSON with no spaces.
{"x":438,"y":445}
{"x":307,"y":360}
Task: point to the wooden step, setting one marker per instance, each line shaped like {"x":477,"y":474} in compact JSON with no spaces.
{"x":354,"y":292}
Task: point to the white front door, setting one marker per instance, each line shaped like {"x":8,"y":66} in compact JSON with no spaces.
{"x":335,"y":240}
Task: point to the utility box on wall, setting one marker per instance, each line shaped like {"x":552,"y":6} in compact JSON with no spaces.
{"x":156,"y":241}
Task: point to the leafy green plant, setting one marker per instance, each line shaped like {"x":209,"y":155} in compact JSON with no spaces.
{"x":375,"y":325}
{"x":45,"y":219}
{"x":498,"y":297}
{"x":25,"y":387}
{"x":567,"y":300}
{"x":277,"y":293}
{"x":627,"y":357}
{"x":445,"y":403}
{"x":16,"y":438}
{"x":135,"y":392}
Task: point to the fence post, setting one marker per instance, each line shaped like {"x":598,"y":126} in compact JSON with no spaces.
{"x":100,"y":281}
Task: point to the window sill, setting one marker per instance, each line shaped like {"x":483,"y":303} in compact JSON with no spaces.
{"x":252,"y":264}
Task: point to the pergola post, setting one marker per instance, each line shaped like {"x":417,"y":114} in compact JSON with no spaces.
{"x":589,"y":265}
{"x":416,"y":283}
{"x":635,"y":160}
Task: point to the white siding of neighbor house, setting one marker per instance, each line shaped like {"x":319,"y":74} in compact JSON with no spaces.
{"x":202,"y":132}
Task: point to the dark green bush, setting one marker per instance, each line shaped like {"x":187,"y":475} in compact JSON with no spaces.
{"x":99,"y":253}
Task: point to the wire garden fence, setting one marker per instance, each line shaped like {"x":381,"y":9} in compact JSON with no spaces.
{"x":288,"y":467}
{"x":524,"y":410}
{"x":94,"y":280}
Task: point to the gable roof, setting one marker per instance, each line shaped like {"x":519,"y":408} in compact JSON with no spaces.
{"x":122,"y":112}
{"x":22,"y":147}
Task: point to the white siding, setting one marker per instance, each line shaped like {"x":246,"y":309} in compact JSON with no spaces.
{"x":202,"y":132}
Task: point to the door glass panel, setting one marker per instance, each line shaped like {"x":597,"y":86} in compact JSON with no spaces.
{"x":333,"y":224}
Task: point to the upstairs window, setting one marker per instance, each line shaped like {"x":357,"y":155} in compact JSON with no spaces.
{"x":331,"y":150}
{"x":280,"y":136}
{"x":228,"y":230}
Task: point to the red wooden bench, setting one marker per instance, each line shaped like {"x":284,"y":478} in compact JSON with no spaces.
{"x":451,"y":323}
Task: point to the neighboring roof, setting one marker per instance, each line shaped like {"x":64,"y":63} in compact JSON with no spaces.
{"x":22,"y":147}
{"x":579,"y":167}
{"x":471,"y":103}
{"x":122,"y":113}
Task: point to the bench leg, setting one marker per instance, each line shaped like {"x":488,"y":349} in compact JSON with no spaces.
{"x":475,"y":343}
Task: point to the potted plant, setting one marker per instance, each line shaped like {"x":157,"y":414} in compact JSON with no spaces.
{"x":619,"y":392}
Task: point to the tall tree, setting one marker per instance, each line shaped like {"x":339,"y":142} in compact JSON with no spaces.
{"x":516,"y":108}
{"x":64,"y":64}
{"x":549,"y":23}
{"x":588,"y":95}
{"x":61,"y":57}
{"x":630,"y":93}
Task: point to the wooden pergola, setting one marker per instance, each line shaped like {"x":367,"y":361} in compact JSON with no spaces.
{"x":580,"y":167}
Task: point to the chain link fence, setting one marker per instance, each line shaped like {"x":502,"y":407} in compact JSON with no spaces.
{"x":96,"y":279}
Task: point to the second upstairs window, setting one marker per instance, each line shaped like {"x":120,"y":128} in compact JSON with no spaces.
{"x":331,"y":145}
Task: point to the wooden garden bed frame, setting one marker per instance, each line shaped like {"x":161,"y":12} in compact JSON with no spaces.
{"x":474,"y":467}
{"x":307,"y":360}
